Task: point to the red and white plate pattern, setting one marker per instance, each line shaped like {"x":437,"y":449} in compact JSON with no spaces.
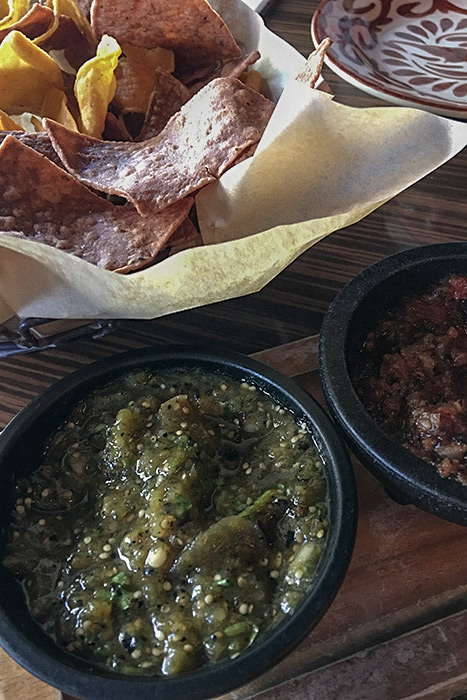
{"x":411,"y":52}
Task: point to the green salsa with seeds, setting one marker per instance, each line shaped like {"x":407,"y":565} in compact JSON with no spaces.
{"x":175,"y":517}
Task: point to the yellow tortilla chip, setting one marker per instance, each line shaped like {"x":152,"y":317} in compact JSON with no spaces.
{"x":26,"y":75}
{"x":152,"y":58}
{"x":8,"y":124}
{"x":95,"y":86}
{"x":12,"y":11}
{"x":71,"y":10}
{"x":33,"y":24}
{"x":135,"y":76}
{"x":55,"y":107}
{"x":254,"y":80}
{"x":52,"y":28}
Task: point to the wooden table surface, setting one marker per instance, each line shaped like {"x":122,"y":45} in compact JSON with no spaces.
{"x":397,"y":627}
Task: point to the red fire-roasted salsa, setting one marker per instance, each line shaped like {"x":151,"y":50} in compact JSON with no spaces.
{"x":412,"y":376}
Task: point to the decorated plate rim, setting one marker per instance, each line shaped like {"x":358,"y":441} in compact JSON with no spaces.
{"x":378,"y":89}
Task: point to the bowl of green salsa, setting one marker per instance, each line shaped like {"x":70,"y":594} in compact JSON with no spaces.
{"x":173,"y":522}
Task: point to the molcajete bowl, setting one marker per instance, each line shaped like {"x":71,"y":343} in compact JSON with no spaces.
{"x":21,"y":447}
{"x":355,"y":312}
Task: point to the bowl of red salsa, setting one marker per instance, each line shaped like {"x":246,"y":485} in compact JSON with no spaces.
{"x":393,"y":362}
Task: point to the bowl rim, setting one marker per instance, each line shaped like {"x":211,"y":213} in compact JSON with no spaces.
{"x":210,"y":680}
{"x":373,"y":82}
{"x":388,"y":460}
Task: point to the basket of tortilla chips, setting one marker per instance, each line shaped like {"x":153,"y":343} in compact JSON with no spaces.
{"x":158,"y":156}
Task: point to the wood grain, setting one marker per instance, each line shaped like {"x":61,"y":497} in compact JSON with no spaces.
{"x":427,"y":664}
{"x":18,"y":684}
{"x":294,"y":359}
{"x":395,"y":629}
{"x":293,"y":304}
{"x":404,"y":594}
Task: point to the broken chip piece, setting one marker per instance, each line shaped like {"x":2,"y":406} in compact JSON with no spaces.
{"x":167,"y":98}
{"x":135,"y":76}
{"x":44,"y":203}
{"x":311,"y":70}
{"x":233,"y":68}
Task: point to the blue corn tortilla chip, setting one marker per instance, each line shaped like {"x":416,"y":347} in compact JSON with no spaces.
{"x":167,"y":98}
{"x":43,"y":203}
{"x":196,"y":146}
{"x":38,"y":140}
{"x":190,"y":28}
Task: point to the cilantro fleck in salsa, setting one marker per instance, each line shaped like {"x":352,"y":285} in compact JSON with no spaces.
{"x":175,"y":517}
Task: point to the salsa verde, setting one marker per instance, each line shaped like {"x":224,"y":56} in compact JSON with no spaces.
{"x":174,"y":518}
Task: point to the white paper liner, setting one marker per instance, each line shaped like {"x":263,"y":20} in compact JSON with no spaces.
{"x":320,"y":167}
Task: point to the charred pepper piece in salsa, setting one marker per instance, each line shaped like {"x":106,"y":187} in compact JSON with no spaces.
{"x":175,"y":518}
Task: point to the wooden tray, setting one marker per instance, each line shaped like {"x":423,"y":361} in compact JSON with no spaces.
{"x":395,"y":631}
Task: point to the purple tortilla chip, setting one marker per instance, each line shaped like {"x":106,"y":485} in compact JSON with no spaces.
{"x":38,"y":140}
{"x":198,"y":144}
{"x":114,"y":129}
{"x":68,"y":38}
{"x":236,"y":66}
{"x":43,"y":203}
{"x":229,"y":69}
{"x":186,"y":232}
{"x":311,"y":71}
{"x":190,"y":28}
{"x":84,"y":6}
{"x":167,"y":98}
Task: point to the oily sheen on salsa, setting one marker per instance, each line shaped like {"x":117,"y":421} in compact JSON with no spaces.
{"x":174,"y":519}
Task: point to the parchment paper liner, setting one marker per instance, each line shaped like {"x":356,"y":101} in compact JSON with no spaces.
{"x":320,"y":167}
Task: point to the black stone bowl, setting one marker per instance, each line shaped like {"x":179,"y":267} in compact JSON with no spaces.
{"x":354,"y":312}
{"x":21,"y":447}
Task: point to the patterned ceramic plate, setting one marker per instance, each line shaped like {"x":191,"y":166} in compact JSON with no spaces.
{"x":411,"y":52}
